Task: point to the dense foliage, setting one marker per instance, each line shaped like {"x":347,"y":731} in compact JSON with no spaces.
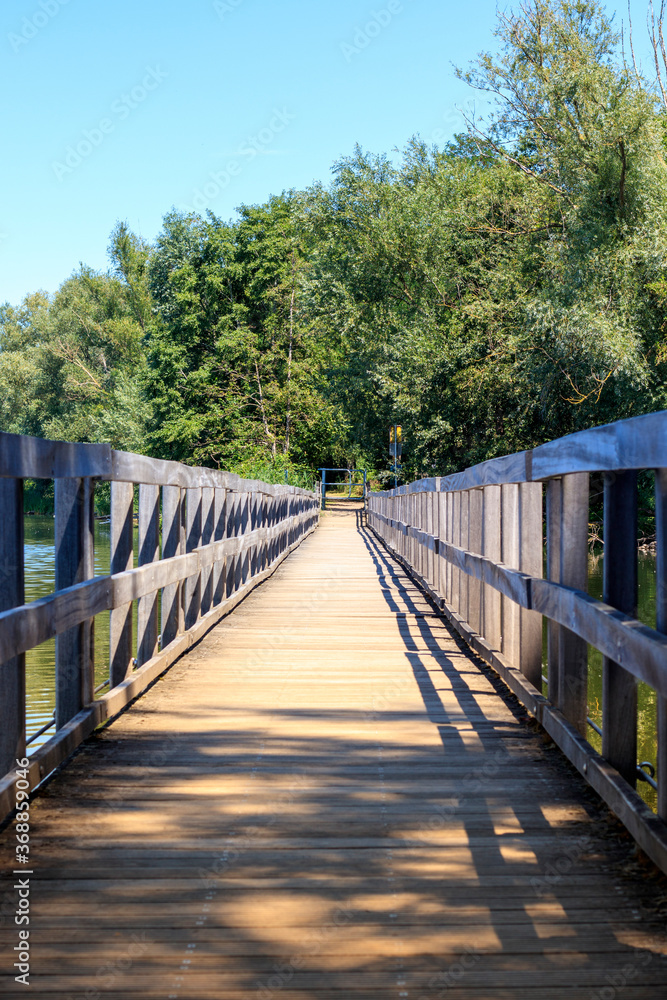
{"x":499,"y":292}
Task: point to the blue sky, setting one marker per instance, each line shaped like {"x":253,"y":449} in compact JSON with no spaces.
{"x":121,"y":110}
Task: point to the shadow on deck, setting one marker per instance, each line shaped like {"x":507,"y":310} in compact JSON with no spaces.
{"x":330,"y":798}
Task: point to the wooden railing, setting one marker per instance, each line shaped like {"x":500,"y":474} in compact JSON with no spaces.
{"x":205,"y":539}
{"x":475,"y":541}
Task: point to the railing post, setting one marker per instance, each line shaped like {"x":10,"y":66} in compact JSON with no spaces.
{"x":75,"y":562}
{"x":419,"y":548}
{"x":455,"y":538}
{"x":251,"y":552}
{"x":239,"y":531}
{"x":511,"y":557}
{"x":661,"y":626}
{"x":231,"y":506}
{"x":193,"y":522}
{"x":464,"y":579}
{"x":149,"y":551}
{"x":427,"y":526}
{"x":475,"y":544}
{"x":554,"y":517}
{"x":441,"y":571}
{"x":220,"y":522}
{"x":619,"y":688}
{"x":122,"y":560}
{"x":242,"y":564}
{"x":173,"y":544}
{"x":421,"y":524}
{"x":492,"y":550}
{"x":449,"y":537}
{"x":208,"y":527}
{"x":258,"y":521}
{"x":573,"y":651}
{"x":273,"y":520}
{"x":531,"y":561}
{"x":12,"y":595}
{"x":433,"y":528}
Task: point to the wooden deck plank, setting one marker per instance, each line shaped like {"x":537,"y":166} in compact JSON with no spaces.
{"x":330,"y":798}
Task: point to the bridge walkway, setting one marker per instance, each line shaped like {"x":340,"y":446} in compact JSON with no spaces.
{"x":329,"y":798}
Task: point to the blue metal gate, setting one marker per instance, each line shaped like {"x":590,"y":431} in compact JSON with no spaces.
{"x":350,"y":482}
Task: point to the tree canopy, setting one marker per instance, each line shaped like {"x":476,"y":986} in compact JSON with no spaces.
{"x":503,"y":290}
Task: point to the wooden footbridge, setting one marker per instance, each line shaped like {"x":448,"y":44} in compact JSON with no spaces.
{"x":334,"y":794}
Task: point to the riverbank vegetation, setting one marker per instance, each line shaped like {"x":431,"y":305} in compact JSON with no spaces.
{"x":501,"y":291}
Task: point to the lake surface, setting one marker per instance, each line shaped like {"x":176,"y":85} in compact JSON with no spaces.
{"x":40,"y":662}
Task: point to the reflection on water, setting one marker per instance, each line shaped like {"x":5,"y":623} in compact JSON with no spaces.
{"x":40,"y":581}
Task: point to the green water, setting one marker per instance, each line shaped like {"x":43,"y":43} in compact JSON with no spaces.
{"x":40,"y":581}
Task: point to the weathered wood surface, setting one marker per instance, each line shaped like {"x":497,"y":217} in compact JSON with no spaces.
{"x":573,"y":562}
{"x":75,"y":563}
{"x":661,"y":625}
{"x":24,"y":457}
{"x":328,"y":799}
{"x":619,"y":688}
{"x":12,"y":592}
{"x":27,"y":626}
{"x":122,"y":561}
{"x":149,"y":547}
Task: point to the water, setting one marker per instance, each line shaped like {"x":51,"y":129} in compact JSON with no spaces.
{"x":40,"y":581}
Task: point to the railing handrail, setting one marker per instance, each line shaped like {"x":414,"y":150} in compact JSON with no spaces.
{"x":24,"y":457}
{"x":634,"y":443}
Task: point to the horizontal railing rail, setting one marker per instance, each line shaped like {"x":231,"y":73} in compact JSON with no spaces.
{"x":475,"y":541}
{"x":205,"y":539}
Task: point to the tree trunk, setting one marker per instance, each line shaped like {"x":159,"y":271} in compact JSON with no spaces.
{"x":288,"y":415}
